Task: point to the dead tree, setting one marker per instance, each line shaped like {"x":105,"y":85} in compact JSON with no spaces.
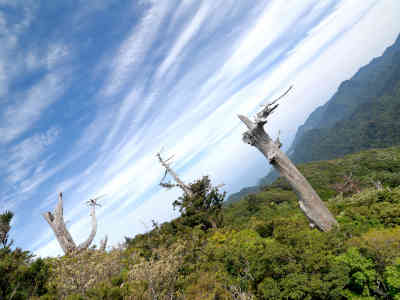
{"x":64,"y":238}
{"x":179,"y":183}
{"x":187,"y":190}
{"x":348,"y":186}
{"x":309,"y":201}
{"x":103,"y":244}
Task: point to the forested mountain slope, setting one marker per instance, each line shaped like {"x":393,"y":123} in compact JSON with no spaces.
{"x":362,"y":114}
{"x":375,"y":124}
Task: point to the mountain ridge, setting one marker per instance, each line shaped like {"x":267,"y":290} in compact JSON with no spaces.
{"x":370,"y":95}
{"x":335,"y":109}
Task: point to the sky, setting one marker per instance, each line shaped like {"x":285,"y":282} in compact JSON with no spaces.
{"x":91,"y":91}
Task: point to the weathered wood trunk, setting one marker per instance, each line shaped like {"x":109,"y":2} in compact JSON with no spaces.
{"x":93,"y":232}
{"x":309,"y":201}
{"x":57,"y":223}
{"x":64,"y":238}
{"x":103,"y":244}
{"x":185,"y":188}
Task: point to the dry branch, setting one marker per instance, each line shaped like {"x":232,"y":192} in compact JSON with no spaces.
{"x":184,"y":187}
{"x":179,"y":183}
{"x":103,"y":244}
{"x":309,"y":201}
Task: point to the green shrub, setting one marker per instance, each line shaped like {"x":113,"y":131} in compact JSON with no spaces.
{"x":392,"y":279}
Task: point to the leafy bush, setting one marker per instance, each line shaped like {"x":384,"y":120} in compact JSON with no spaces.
{"x":392,"y":279}
{"x":203,"y":207}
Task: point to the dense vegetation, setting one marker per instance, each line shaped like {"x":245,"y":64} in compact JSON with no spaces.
{"x":21,"y":277}
{"x":261,"y":247}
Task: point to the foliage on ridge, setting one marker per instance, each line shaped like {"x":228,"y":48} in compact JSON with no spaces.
{"x":263,"y":247}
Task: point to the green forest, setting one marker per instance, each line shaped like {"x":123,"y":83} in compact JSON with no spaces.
{"x":261,"y":248}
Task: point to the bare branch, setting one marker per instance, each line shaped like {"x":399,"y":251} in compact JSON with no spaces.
{"x":58,"y":213}
{"x":261,"y":116}
{"x":165,"y":163}
{"x":165,"y":175}
{"x":281,"y":96}
{"x":168,"y":185}
{"x":89,"y":240}
{"x":103,"y":244}
{"x":278,"y":141}
{"x":250,"y":124}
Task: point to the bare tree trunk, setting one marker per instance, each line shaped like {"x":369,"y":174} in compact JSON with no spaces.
{"x":186,"y":189}
{"x":309,"y":201}
{"x":92,"y":234}
{"x":57,"y":223}
{"x":64,"y":238}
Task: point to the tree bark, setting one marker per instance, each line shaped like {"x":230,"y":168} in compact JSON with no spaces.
{"x":57,"y":223}
{"x":64,"y":238}
{"x":103,"y":244}
{"x":186,"y":189}
{"x":309,"y":201}
{"x":92,"y":234}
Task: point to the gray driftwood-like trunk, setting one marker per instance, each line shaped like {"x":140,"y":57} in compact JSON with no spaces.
{"x":64,"y":238}
{"x":179,"y":183}
{"x":309,"y":201}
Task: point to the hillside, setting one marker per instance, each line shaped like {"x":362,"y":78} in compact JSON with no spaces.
{"x":362,"y":114}
{"x":372,"y":125}
{"x":242,"y":193}
{"x":262,"y":249}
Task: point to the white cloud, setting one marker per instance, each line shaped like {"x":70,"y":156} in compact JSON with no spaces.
{"x":23,"y":157}
{"x":56,"y":54}
{"x":184,"y":39}
{"x":20,"y":116}
{"x":10,"y":32}
{"x":135,"y":47}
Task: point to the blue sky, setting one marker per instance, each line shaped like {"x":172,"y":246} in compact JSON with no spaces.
{"x":90,"y":91}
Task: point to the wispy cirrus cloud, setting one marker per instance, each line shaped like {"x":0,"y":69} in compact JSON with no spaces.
{"x":21,"y":115}
{"x":23,"y":156}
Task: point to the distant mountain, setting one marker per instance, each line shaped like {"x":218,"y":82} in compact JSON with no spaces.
{"x":362,"y":114}
{"x":242,"y":193}
{"x":361,"y":111}
{"x":375,"y":124}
